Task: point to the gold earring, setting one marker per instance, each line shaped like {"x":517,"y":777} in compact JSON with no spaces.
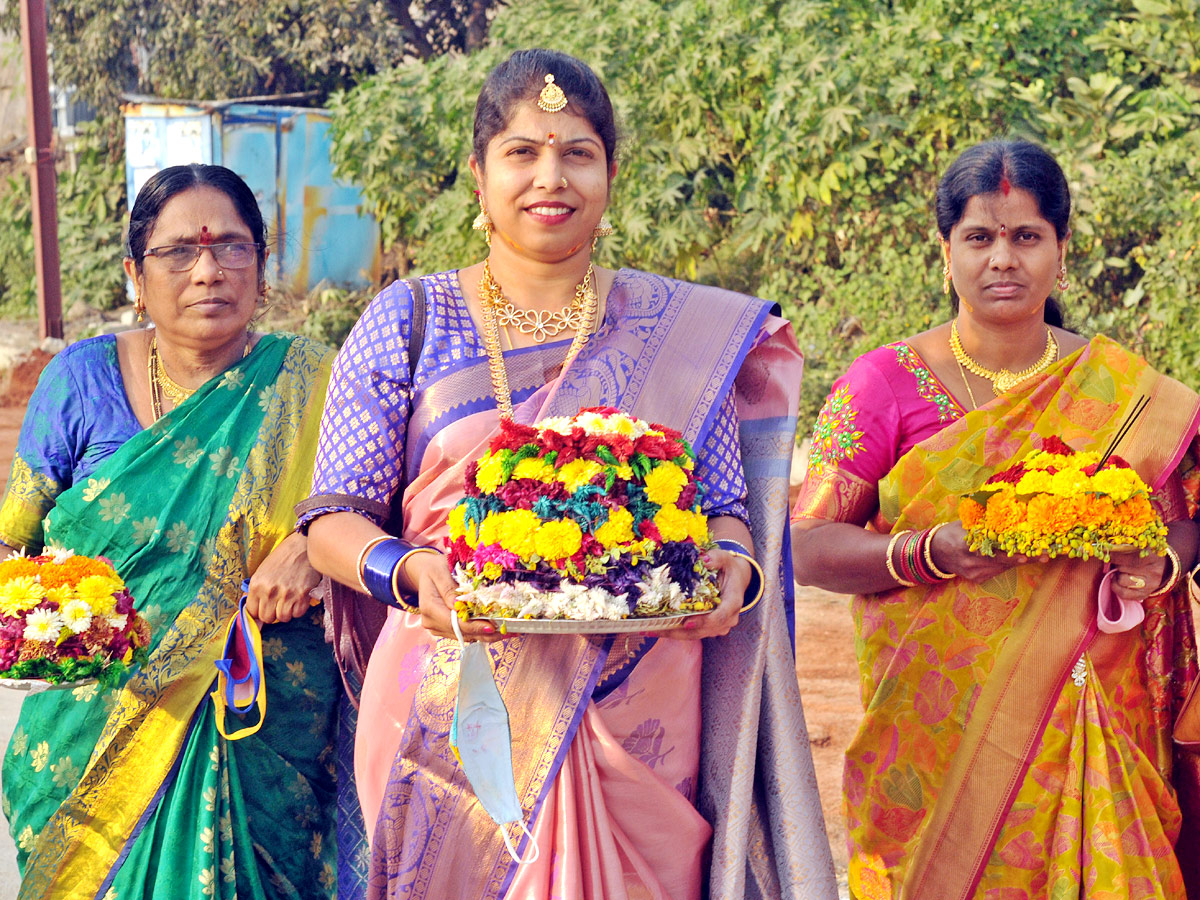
{"x":946,"y":277}
{"x":1062,"y":283}
{"x":140,"y":308}
{"x":603,"y":229}
{"x":483,"y":222}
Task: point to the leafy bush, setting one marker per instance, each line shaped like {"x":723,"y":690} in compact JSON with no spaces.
{"x":91,"y":209}
{"x":791,"y":149}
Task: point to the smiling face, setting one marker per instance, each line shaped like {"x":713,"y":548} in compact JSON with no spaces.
{"x":1004,"y":257}
{"x":209,"y":305}
{"x":544,"y":183}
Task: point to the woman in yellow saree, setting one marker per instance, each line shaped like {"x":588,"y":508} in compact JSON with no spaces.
{"x":1008,"y":749}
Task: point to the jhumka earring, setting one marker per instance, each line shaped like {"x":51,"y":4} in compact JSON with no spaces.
{"x":140,"y":308}
{"x":483,"y":222}
{"x":1061,"y":282}
{"x":603,"y":229}
{"x":551,"y":99}
{"x":946,"y":277}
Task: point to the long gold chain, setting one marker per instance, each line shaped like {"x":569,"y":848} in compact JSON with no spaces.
{"x":585,"y":292}
{"x":1003,"y":380}
{"x":536,"y":322}
{"x":967,"y":385}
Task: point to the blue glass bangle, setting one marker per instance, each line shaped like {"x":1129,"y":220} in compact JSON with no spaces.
{"x":377,"y":572}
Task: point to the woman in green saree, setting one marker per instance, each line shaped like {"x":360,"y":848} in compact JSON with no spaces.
{"x":179,"y":453}
{"x":1009,"y":749}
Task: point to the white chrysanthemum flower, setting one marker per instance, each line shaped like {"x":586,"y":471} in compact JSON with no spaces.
{"x":117,"y":621}
{"x":59,"y":554}
{"x":43,"y":625}
{"x":76,"y":615}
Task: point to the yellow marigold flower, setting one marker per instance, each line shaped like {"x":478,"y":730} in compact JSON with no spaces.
{"x":490,"y":474}
{"x":20,"y":594}
{"x":558,"y":539}
{"x":664,"y":482}
{"x":577,"y":473}
{"x":1034,"y":481}
{"x":534,"y":467}
{"x":698,"y":527}
{"x":1120,"y":484}
{"x":492,"y":571}
{"x":489,"y":530}
{"x":625,"y":472}
{"x":673,"y":523}
{"x":457,"y":522}
{"x":517,"y":530}
{"x":617,"y":530}
{"x":98,"y":591}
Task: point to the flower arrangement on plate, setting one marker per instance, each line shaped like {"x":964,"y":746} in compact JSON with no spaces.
{"x":590,"y":517}
{"x":1061,"y":502}
{"x":65,"y":619}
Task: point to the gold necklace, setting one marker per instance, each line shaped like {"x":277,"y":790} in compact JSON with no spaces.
{"x":967,"y":385}
{"x":1003,"y":380}
{"x":584,"y":293}
{"x":162,"y":385}
{"x":537,"y":322}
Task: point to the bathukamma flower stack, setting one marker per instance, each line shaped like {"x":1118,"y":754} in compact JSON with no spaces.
{"x":66,"y":618}
{"x":596,"y":516}
{"x":1056,"y":503}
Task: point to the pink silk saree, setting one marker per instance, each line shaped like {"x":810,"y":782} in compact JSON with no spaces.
{"x":647,"y":768}
{"x":1009,"y":750}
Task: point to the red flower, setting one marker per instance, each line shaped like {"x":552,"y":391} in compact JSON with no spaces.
{"x":649,"y":531}
{"x":1009,"y":476}
{"x":1055,"y":444}
{"x":604,"y":411}
{"x":513,"y":436}
{"x":457,"y":551}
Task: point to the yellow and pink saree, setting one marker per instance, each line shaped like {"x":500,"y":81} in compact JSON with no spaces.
{"x":1008,"y":750}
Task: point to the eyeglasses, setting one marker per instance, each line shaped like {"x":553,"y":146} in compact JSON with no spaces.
{"x":182,"y":257}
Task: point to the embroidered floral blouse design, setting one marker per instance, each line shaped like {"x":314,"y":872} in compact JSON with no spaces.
{"x":834,"y":436}
{"x":928,"y":386}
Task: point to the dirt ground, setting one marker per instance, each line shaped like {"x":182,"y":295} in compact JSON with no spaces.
{"x":825,"y":662}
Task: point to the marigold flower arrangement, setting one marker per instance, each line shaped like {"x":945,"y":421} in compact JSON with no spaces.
{"x":595,"y":516}
{"x":66,"y":618}
{"x":1055,"y":503}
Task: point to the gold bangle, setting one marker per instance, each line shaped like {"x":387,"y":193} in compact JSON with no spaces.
{"x":1193,"y":588}
{"x":1170,"y":582}
{"x":412,"y":607}
{"x":928,"y":552}
{"x":746,"y":607}
{"x":362,"y":559}
{"x":891,"y":566}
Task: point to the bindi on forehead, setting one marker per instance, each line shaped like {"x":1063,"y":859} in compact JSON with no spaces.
{"x":206,"y":236}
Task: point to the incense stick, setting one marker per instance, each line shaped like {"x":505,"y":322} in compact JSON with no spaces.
{"x":1139,"y":406}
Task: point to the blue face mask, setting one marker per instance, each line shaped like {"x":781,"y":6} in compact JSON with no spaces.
{"x":482,"y":742}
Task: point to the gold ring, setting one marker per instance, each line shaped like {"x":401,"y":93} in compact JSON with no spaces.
{"x":1137,"y":582}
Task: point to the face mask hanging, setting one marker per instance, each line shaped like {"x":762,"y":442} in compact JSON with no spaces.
{"x":482,"y":742}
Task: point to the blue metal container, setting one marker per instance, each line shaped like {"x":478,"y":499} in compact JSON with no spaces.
{"x":317,"y":229}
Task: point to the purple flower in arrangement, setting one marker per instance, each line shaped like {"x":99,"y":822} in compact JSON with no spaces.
{"x":12,"y":629}
{"x":524,"y":493}
{"x":124,"y":603}
{"x":469,"y":486}
{"x":681,"y":559}
{"x":687,"y":496}
{"x":9,"y":653}
{"x":72,"y":648}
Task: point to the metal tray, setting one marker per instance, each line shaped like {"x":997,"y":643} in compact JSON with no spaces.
{"x":598,"y":626}
{"x":37,"y":685}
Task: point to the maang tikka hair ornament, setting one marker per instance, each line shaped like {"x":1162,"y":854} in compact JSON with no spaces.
{"x":551,"y":99}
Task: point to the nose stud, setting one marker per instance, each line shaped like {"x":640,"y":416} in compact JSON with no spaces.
{"x":564,"y":181}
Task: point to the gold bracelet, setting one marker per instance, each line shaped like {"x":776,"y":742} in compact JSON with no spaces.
{"x":412,"y":607}
{"x":934,"y":570}
{"x":362,"y":559}
{"x":1169,"y":583}
{"x":891,"y":566}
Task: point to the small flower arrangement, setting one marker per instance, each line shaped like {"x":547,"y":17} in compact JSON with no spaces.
{"x":67,"y":618}
{"x":595,"y":516}
{"x":1056,"y":503}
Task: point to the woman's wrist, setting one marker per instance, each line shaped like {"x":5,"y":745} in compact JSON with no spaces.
{"x":382,"y":563}
{"x":909,"y":558}
{"x":754,"y":590}
{"x":1171,"y":576}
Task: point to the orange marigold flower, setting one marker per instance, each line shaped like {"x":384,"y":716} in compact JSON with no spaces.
{"x":1003,"y":512}
{"x":17,"y":568}
{"x":970,"y":513}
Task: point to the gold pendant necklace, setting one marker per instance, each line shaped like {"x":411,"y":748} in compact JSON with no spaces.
{"x":163,"y":386}
{"x":585,"y":294}
{"x":1003,"y":380}
{"x":536,"y":322}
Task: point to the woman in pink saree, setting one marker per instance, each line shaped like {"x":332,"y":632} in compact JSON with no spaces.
{"x":644,"y":767}
{"x":1009,"y":749}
